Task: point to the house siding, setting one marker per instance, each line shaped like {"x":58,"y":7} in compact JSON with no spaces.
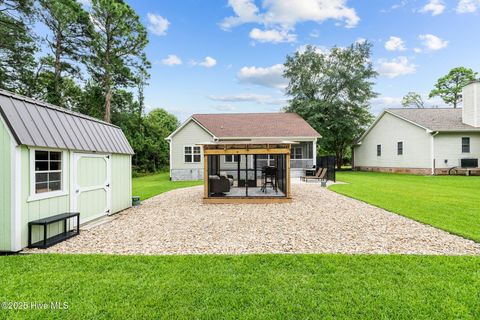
{"x":5,"y":188}
{"x":190,"y":134}
{"x":388,"y":131}
{"x":448,"y":146}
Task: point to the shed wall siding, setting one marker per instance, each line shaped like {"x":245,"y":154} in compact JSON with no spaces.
{"x":5,"y":188}
{"x":388,"y":131}
{"x":190,"y":134}
{"x":448,"y":146}
{"x":33,"y":210}
{"x":121,"y":182}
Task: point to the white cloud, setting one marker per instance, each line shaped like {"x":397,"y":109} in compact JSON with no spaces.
{"x":272,"y":35}
{"x":250,"y":97}
{"x":377,"y":105}
{"x":468,"y":6}
{"x":417,"y":50}
{"x":172,"y":60}
{"x":436,"y":7}
{"x":224,"y":107}
{"x":157,"y":24}
{"x":360,"y":40}
{"x":396,"y":67}
{"x":268,"y":77}
{"x":208,"y":62}
{"x":315,"y":33}
{"x":395,"y":44}
{"x":432,"y":42}
{"x":285,"y":14}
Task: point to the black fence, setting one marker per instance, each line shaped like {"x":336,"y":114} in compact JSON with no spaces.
{"x":328,"y":162}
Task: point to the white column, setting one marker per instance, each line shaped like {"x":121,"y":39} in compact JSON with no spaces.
{"x":314,"y":151}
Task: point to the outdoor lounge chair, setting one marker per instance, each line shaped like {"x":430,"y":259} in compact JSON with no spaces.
{"x":320,"y":176}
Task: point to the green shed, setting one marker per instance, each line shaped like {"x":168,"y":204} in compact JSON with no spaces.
{"x":54,"y":161}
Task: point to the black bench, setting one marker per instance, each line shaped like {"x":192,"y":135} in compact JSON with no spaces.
{"x":66,"y":234}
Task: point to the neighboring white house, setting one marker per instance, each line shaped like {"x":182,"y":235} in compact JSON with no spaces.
{"x":186,"y":156}
{"x":423,"y":141}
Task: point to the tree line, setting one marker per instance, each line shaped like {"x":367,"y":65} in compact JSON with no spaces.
{"x":90,"y":60}
{"x":448,"y":88}
{"x":332,"y":91}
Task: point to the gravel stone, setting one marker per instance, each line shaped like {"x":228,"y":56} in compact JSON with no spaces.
{"x":317,"y":221}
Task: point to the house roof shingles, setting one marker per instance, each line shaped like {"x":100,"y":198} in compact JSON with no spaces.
{"x":37,"y":124}
{"x":256,"y":125}
{"x":435,"y":119}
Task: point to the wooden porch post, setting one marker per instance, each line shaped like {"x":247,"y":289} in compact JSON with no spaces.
{"x":289,"y":192}
{"x":205,"y":176}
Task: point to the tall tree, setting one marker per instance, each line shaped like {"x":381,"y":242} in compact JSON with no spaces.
{"x":117,"y":47}
{"x":18,"y":47}
{"x":413,"y":99}
{"x":70,"y":26}
{"x":449,"y":87}
{"x":331,"y":91}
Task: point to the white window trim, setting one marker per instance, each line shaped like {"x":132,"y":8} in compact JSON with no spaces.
{"x":192,"y":146}
{"x":46,"y":195}
{"x":469,"y":145}
{"x":293,"y":153}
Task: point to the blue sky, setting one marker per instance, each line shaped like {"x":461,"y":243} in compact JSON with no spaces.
{"x":226,"y":55}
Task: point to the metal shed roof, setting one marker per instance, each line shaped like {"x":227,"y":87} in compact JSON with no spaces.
{"x":38,"y":124}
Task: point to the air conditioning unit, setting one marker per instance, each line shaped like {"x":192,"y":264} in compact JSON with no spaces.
{"x":469,"y":163}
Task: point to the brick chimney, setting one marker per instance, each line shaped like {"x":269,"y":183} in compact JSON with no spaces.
{"x":471,"y":104}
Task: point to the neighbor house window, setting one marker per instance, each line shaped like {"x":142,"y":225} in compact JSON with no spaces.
{"x":379,"y":150}
{"x":230,"y":158}
{"x":296,"y":153}
{"x":465,"y":145}
{"x":399,"y":148}
{"x":192,"y":154}
{"x":48,"y":171}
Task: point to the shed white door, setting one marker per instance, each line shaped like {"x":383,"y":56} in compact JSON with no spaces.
{"x":91,"y":185}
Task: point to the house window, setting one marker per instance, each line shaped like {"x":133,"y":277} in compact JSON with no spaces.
{"x":465,"y":145}
{"x":48,"y":171}
{"x":379,"y":150}
{"x":269,"y":157}
{"x":399,"y":148}
{"x":192,"y":154}
{"x":230,"y":158}
{"x":296,"y":153}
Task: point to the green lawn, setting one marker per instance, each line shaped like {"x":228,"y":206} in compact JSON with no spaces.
{"x":451,"y":203}
{"x":247,"y":287}
{"x":149,"y":186}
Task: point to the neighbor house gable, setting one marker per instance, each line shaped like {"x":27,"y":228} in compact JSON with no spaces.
{"x":359,"y":140}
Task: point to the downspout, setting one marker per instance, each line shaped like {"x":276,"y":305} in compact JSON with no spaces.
{"x":170,"y":156}
{"x":432,"y":150}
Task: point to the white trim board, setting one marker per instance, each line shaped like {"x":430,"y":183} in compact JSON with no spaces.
{"x":185,"y":123}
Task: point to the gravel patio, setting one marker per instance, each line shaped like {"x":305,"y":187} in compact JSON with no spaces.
{"x":317,"y":221}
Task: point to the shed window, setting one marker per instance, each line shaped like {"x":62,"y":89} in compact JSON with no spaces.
{"x":48,"y":171}
{"x":230,"y":158}
{"x":379,"y":150}
{"x":296,"y":153}
{"x":400,"y":148}
{"x":465,"y":145}
{"x":192,"y":154}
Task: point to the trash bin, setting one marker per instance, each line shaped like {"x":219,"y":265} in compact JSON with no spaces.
{"x":135,"y":201}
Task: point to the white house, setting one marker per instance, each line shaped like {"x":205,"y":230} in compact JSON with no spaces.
{"x":423,"y":141}
{"x":186,"y":154}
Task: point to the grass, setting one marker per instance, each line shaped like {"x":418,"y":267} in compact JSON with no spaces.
{"x":152,"y":185}
{"x":451,"y":203}
{"x":247,"y":287}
